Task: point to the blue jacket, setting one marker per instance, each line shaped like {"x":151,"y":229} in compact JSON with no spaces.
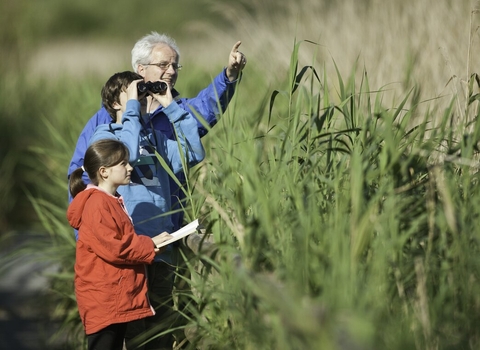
{"x":147,"y":197}
{"x":206,"y":104}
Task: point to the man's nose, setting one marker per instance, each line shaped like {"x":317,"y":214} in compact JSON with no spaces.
{"x":170,"y":69}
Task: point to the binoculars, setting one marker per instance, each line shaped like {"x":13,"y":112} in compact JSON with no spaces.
{"x":155,"y":87}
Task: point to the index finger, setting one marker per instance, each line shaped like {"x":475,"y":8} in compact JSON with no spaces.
{"x":236,"y":46}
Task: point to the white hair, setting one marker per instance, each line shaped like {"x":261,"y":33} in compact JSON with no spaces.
{"x":143,"y":48}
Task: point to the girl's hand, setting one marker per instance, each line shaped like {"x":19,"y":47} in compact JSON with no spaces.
{"x":162,"y":237}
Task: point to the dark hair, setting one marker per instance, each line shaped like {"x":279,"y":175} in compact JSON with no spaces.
{"x":106,"y":153}
{"x":113,"y":87}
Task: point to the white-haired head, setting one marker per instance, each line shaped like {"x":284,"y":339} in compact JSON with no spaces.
{"x":143,"y":48}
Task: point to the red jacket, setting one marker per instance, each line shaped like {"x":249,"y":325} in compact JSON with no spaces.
{"x":110,"y":275}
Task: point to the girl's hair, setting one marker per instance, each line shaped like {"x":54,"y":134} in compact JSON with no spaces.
{"x":102,"y":153}
{"x":143,"y":48}
{"x":112,"y":89}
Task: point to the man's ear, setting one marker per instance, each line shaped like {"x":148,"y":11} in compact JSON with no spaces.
{"x":141,"y":70}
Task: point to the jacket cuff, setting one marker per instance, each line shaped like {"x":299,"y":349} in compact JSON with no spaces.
{"x":174,"y":112}
{"x":226,"y":81}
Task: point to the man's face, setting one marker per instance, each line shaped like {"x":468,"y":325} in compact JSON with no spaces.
{"x":162,"y":55}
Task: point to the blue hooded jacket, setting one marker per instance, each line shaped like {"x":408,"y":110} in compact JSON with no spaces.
{"x":147,"y":197}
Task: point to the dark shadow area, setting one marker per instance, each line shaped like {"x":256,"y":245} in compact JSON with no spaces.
{"x":25,"y":313}
{"x":21,"y":331}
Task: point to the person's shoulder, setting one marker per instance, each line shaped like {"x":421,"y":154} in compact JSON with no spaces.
{"x":98,"y":199}
{"x":106,"y":131}
{"x":101,"y":117}
{"x":109,"y":127}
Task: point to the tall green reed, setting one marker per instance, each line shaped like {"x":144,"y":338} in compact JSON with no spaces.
{"x":346,"y":220}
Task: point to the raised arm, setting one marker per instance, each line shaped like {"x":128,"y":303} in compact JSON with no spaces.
{"x":128,"y":132}
{"x":211,"y":102}
{"x":188,"y":139}
{"x":219,"y":93}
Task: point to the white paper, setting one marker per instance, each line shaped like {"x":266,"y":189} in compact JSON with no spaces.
{"x":183,"y":232}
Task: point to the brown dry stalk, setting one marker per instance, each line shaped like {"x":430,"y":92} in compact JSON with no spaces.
{"x":421,"y":305}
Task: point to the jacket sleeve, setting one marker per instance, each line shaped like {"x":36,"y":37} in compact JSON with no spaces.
{"x":111,"y":236}
{"x":128,"y":132}
{"x":188,"y":145}
{"x":206,"y":104}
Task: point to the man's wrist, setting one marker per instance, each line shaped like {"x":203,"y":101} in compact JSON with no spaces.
{"x":230,"y":78}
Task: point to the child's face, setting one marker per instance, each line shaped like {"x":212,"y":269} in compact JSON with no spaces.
{"x":119,"y":174}
{"x":123,"y":101}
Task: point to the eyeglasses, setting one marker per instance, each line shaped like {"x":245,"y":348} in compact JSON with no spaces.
{"x":165,"y":65}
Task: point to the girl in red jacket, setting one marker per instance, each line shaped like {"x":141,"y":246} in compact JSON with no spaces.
{"x":110,"y":277}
